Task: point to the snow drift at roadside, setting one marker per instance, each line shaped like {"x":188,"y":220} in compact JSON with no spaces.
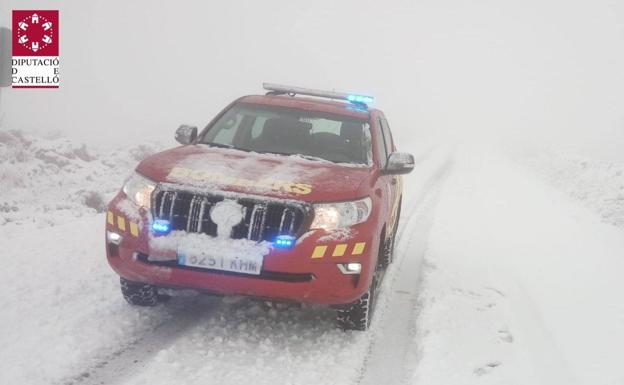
{"x":51,"y":180}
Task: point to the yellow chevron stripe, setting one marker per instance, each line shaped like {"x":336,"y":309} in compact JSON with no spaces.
{"x":339,"y":250}
{"x":319,"y":252}
{"x":134,"y":229}
{"x":358,"y":248}
{"x":121,"y":223}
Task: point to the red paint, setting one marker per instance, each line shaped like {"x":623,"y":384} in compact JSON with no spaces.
{"x":36,"y":26}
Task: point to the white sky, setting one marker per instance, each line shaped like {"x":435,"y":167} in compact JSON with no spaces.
{"x":547,"y":71}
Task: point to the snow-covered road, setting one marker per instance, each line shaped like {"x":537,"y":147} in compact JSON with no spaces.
{"x":522,"y":285}
{"x":498,"y":278}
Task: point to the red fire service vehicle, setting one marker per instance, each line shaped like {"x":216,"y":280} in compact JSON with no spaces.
{"x":291,"y":196}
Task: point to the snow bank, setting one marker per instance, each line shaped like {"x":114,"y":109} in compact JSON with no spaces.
{"x":50,"y":180}
{"x":597,"y":184}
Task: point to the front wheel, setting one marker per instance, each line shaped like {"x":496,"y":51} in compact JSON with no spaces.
{"x":386,"y":256}
{"x":139,"y":294}
{"x":386,"y":253}
{"x":357,"y":315}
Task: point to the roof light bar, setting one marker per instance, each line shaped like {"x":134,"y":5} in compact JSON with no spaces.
{"x":290,"y":90}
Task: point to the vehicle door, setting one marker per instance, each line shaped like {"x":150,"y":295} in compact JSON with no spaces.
{"x":393,"y":185}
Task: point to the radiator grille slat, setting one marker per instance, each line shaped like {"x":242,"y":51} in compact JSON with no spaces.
{"x":171,"y":207}
{"x":262,"y":219}
{"x":202,"y":212}
{"x":287,"y":222}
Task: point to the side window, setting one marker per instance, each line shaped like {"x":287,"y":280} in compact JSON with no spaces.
{"x":381,"y":146}
{"x":387,"y":136}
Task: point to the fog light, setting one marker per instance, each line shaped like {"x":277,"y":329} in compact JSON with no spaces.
{"x":113,"y":237}
{"x":350,"y":268}
{"x":161,"y":226}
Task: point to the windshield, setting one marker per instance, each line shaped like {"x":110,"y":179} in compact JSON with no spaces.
{"x":290,"y":131}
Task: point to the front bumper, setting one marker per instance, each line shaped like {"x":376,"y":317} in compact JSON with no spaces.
{"x":306,"y":273}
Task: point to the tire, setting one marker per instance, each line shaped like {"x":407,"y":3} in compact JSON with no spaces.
{"x":139,"y":294}
{"x":386,"y":254}
{"x":357,"y":315}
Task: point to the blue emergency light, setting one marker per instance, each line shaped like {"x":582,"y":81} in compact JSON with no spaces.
{"x":360,"y":99}
{"x":161,"y":226}
{"x":284,"y":241}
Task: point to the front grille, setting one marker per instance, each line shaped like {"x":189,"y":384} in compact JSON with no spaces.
{"x":263,"y":219}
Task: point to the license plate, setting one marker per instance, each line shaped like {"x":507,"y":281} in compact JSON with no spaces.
{"x":245,"y":265}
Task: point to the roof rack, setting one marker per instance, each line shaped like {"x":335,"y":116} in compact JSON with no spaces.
{"x":278,"y":89}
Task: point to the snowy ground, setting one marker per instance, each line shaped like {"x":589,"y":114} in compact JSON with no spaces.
{"x":51,"y":180}
{"x":499,"y":278}
{"x":598,"y":184}
{"x":522,"y":284}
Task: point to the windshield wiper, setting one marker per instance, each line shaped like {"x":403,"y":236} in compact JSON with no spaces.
{"x":308,"y":157}
{"x":223,"y":145}
{"x":220,"y":145}
{"x":273,"y":152}
{"x":312,"y":157}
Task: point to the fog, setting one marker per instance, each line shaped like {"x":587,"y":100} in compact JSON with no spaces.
{"x":542,"y":72}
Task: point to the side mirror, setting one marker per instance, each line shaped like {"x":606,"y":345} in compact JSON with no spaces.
{"x":186,"y":134}
{"x":399,"y":163}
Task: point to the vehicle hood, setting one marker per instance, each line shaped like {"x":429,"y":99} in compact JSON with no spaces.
{"x":204,"y":168}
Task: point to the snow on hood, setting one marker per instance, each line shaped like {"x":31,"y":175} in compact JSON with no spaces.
{"x":294,"y":177}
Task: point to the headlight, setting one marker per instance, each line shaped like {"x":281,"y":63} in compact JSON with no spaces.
{"x":330,"y":216}
{"x":139,"y":189}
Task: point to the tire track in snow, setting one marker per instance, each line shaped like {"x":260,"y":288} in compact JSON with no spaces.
{"x":131,"y":358}
{"x":389,"y":359}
